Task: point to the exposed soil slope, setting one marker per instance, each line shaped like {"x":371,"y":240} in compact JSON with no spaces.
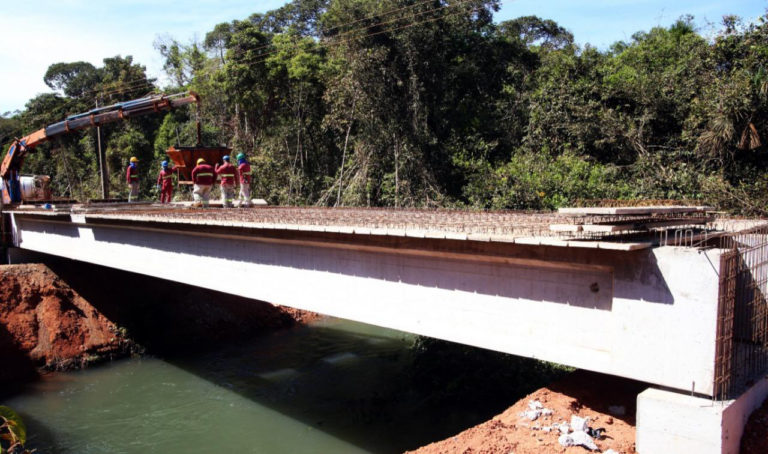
{"x":73,"y":314}
{"x":582,"y":394}
{"x":44,"y":323}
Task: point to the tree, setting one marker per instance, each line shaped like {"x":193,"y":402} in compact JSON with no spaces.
{"x":218,"y":39}
{"x":72,"y":79}
{"x":534,"y":31}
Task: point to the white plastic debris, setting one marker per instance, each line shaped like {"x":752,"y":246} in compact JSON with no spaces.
{"x":564,"y":428}
{"x":617,"y":410}
{"x":579,"y":424}
{"x":577,"y":439}
{"x":535,"y":409}
{"x":531,"y":414}
{"x":610,"y":451}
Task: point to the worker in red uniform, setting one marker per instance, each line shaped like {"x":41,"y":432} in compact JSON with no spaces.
{"x":228,"y":174}
{"x":203,"y":178}
{"x":165,"y":183}
{"x":132,"y":179}
{"x":244,"y":171}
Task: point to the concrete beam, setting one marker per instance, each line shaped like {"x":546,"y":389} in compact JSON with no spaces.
{"x":648,"y":314}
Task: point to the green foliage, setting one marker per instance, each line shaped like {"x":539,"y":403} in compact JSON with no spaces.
{"x":539,"y":181}
{"x":13,"y":432}
{"x":72,"y":79}
{"x":362,"y":102}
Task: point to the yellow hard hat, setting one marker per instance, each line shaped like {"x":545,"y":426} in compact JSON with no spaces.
{"x":200,"y":161}
{"x":134,"y":159}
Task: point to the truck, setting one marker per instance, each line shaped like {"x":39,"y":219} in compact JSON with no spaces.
{"x":17,"y":188}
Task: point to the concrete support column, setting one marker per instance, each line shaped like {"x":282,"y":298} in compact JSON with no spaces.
{"x":670,"y":422}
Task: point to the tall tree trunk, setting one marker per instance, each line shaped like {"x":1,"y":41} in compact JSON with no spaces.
{"x":344,"y":152}
{"x":397,"y":179}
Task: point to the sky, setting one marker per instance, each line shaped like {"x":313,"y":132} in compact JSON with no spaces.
{"x":37,"y":33}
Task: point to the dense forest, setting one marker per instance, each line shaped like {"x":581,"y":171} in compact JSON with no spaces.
{"x":433,"y":104}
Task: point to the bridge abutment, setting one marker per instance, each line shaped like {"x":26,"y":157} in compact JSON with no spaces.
{"x":673,"y":422}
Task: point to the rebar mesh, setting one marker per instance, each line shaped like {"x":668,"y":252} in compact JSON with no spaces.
{"x":741,"y":354}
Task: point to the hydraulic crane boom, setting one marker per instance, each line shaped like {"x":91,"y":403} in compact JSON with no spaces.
{"x":14,"y":159}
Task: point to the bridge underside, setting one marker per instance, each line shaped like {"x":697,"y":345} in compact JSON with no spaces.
{"x":647,"y":314}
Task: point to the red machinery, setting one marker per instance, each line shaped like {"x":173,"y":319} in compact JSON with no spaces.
{"x":11,"y":166}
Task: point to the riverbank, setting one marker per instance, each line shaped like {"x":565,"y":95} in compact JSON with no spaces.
{"x":46,"y":324}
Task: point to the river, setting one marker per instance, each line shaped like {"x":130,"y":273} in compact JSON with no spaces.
{"x":333,"y":386}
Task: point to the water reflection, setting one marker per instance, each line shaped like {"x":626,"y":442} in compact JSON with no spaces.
{"x":335,"y":386}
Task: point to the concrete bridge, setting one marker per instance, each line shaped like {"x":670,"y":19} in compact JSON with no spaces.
{"x":620,"y":305}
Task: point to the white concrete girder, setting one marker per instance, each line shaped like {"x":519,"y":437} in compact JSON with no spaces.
{"x":648,"y":315}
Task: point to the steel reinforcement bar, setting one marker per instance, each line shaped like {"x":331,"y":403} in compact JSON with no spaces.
{"x":741,"y":355}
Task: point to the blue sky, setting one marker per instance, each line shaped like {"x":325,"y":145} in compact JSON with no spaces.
{"x":38,"y":33}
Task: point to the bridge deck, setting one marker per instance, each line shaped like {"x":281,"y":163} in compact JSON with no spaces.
{"x":562,"y":229}
{"x":529,"y":228}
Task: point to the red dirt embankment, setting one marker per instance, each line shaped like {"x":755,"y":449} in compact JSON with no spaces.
{"x":44,"y":323}
{"x":598,"y":397}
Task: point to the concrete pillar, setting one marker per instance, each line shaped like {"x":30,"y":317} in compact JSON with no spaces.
{"x":670,"y":422}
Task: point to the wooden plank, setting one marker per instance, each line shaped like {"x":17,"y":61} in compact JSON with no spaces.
{"x":644,"y":225}
{"x":610,"y":245}
{"x":608,"y":228}
{"x":624,"y":246}
{"x":585,"y":211}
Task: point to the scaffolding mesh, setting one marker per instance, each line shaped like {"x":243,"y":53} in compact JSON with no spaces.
{"x":741,"y":355}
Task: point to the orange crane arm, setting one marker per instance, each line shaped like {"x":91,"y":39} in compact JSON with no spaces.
{"x":14,"y":159}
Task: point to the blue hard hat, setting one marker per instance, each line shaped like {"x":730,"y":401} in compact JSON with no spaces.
{"x":165,"y":163}
{"x":225,"y":157}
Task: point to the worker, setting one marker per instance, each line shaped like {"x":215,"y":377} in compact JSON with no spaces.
{"x":165,"y":183}
{"x":227,"y":172}
{"x":244,"y":171}
{"x":132,"y":178}
{"x":203,"y":178}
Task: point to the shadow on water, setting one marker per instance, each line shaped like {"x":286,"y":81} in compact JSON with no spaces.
{"x":376,"y":389}
{"x":16,"y":366}
{"x":380,"y":393}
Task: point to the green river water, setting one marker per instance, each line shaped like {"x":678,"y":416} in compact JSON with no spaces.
{"x":331,"y":387}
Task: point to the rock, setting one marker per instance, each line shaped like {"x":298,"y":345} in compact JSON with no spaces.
{"x":579,"y":424}
{"x":578,"y":438}
{"x":535,"y":405}
{"x":535,"y":409}
{"x":531,"y":414}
